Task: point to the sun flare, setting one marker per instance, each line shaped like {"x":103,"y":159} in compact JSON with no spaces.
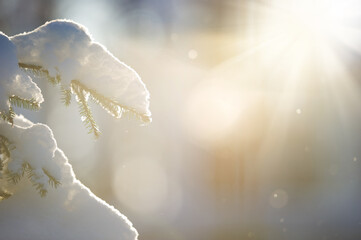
{"x":303,"y":29}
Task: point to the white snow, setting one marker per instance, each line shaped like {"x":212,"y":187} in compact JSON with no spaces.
{"x":35,"y":145}
{"x":12,"y":80}
{"x":66,"y":49}
{"x":70,"y":211}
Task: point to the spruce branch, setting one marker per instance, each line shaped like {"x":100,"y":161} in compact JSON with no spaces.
{"x":40,"y":72}
{"x":12,"y":177}
{"x":82,"y":92}
{"x":5,"y":148}
{"x":29,"y":170}
{"x":52,"y":180}
{"x":108,"y":104}
{"x":26,"y":169}
{"x":30,"y":104}
{"x":111,"y":106}
{"x":84,"y":110}
{"x":4,"y":194}
{"x":66,"y":96}
{"x":8,"y":116}
{"x":16,"y":101}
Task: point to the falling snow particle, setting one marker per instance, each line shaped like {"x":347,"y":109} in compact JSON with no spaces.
{"x":278,"y":199}
{"x":298,"y":111}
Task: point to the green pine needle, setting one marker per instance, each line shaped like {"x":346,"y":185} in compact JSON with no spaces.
{"x":30,"y":104}
{"x":5,"y":156}
{"x":66,"y":96}
{"x":5,"y":148}
{"x":112,"y":107}
{"x":52,"y":180}
{"x":4,"y":194}
{"x":40,"y":72}
{"x":8,"y":116}
{"x":81,"y":91}
{"x":84,"y":110}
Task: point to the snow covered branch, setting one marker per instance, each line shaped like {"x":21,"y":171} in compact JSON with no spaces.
{"x":63,"y":52}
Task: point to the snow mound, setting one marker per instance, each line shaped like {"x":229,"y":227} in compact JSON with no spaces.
{"x":71,"y":211}
{"x":13,"y":82}
{"x":66,"y":49}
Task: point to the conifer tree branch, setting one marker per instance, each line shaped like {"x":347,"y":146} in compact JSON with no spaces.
{"x":66,"y":96}
{"x":4,"y":194}
{"x":29,"y":170}
{"x":52,"y":180}
{"x":5,"y":147}
{"x":8,"y":116}
{"x":113,"y":107}
{"x":30,"y":104}
{"x":31,"y":66}
{"x":39,"y":70}
{"x":14,"y":177}
{"x":80,"y":90}
{"x":84,"y":110}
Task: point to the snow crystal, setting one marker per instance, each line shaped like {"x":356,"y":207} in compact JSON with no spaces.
{"x":70,"y":211}
{"x":12,"y":80}
{"x":66,"y":49}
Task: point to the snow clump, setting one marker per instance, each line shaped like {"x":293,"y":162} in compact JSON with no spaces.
{"x":66,"y":49}
{"x":13,"y":81}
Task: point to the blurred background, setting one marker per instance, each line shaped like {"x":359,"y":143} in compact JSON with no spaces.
{"x":256,"y":111}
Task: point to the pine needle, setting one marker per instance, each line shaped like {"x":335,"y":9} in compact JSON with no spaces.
{"x":8,"y":116}
{"x":30,"y":104}
{"x":40,"y":72}
{"x":66,"y":96}
{"x":84,"y":110}
{"x":5,"y":148}
{"x":111,"y":106}
{"x":14,"y":177}
{"x":52,"y":180}
{"x":81,"y":91}
{"x":4,"y":194}
{"x":32,"y":176}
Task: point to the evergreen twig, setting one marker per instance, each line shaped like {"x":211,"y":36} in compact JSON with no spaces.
{"x":40,"y":71}
{"x":84,"y":110}
{"x":52,"y":180}
{"x":4,"y":194}
{"x":5,"y":148}
{"x":14,"y":177}
{"x":30,"y":104}
{"x":114,"y":108}
{"x":32,"y":176}
{"x":8,"y":116}
{"x":81,"y":91}
{"x":66,"y":96}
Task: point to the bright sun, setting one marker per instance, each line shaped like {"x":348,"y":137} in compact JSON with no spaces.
{"x":304,"y":31}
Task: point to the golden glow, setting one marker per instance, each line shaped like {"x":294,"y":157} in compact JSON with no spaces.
{"x":252,"y":124}
{"x":299,"y":30}
{"x":211,"y":113}
{"x":141,"y":184}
